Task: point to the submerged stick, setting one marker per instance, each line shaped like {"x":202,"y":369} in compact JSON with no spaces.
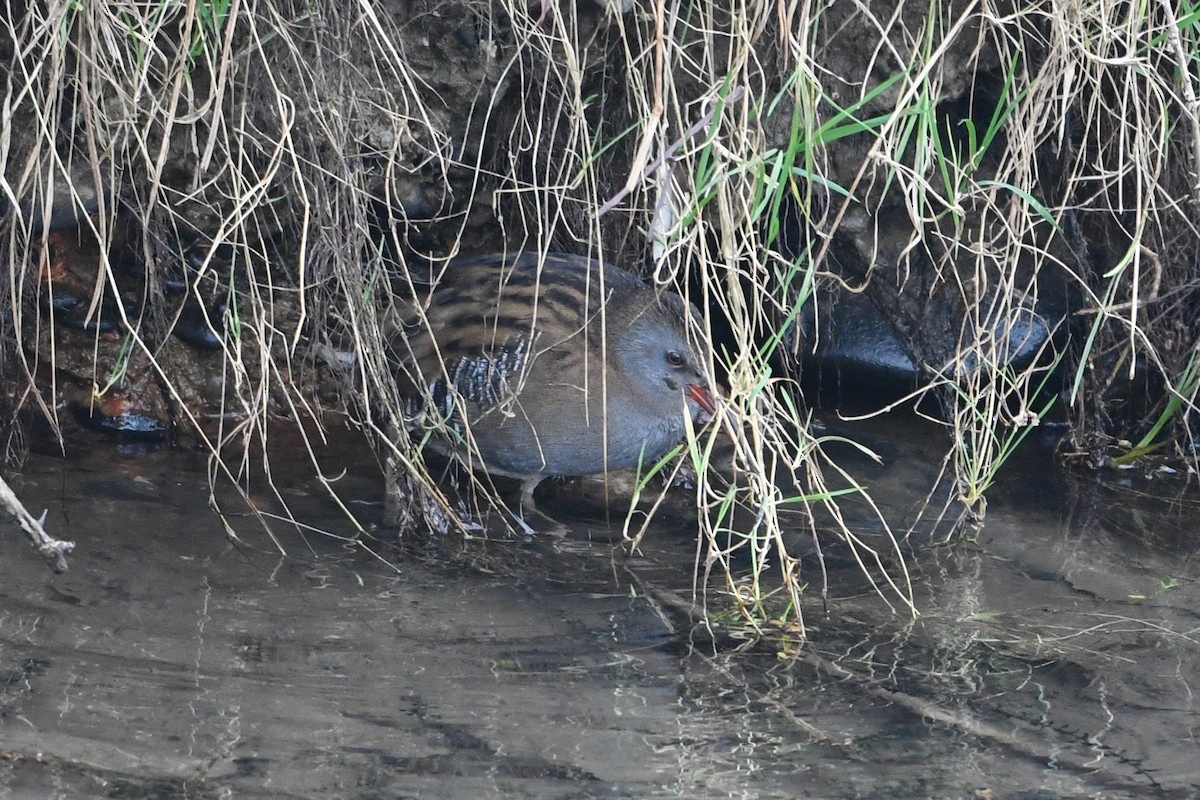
{"x":53,"y":550}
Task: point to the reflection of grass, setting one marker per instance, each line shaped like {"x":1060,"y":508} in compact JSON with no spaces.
{"x":1181,"y":398}
{"x":1166,"y":585}
{"x":992,"y":420}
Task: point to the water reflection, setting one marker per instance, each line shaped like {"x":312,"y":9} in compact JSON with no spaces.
{"x":1054,"y":656}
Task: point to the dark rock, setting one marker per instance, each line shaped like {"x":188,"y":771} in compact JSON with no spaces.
{"x":196,"y":328}
{"x":861,"y":348}
{"x":118,"y":417}
{"x":70,"y":311}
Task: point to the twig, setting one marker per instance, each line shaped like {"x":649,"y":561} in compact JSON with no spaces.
{"x":1129,"y":305}
{"x":53,"y":550}
{"x":1189,"y":92}
{"x":639,"y":172}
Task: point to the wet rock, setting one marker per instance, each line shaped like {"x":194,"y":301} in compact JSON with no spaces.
{"x":121,"y":416}
{"x":71,"y":310}
{"x":195,"y":327}
{"x":419,"y":199}
{"x":67,"y":201}
{"x":468,"y":34}
{"x":68,"y":285}
{"x":1019,"y":337}
{"x":859,"y":347}
{"x":616,"y":6}
{"x":541,"y":7}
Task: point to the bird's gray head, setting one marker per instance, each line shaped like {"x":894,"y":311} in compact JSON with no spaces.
{"x":663,"y":367}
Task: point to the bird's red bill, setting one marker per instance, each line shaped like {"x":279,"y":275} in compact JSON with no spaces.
{"x":702,"y":398}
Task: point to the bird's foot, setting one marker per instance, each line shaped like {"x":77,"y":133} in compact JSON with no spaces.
{"x":546,"y":525}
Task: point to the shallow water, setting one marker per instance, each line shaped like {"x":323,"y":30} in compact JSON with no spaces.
{"x":1055,"y":654}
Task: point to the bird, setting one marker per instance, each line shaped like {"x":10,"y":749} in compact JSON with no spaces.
{"x":536,"y":365}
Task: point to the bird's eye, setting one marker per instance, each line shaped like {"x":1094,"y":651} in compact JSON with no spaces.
{"x":674,"y":358}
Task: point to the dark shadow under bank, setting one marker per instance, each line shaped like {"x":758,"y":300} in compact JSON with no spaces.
{"x":1051,"y":658}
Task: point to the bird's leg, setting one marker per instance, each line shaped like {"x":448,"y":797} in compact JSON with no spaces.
{"x":530,"y":511}
{"x":527,"y":487}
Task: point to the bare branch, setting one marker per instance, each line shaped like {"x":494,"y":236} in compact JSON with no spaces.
{"x":53,"y":550}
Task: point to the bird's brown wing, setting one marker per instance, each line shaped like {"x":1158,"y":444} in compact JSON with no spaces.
{"x":489,"y":319}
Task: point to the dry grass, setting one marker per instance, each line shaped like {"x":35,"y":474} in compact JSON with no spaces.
{"x":973,"y":161}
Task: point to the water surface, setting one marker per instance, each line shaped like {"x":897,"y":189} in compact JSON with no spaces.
{"x":181,"y":656}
